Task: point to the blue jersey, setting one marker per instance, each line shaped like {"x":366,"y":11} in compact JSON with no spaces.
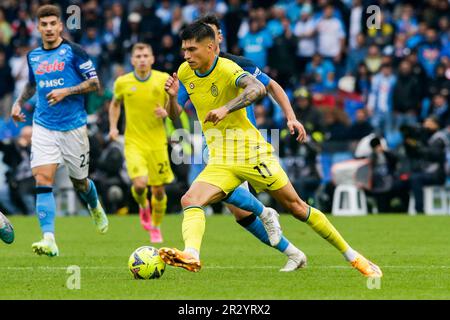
{"x":246,"y":65}
{"x":65,"y":66}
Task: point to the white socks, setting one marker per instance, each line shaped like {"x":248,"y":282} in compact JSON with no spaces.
{"x":291,"y":250}
{"x":49,"y":236}
{"x":350,"y":255}
{"x":264,"y":213}
{"x":193,"y":252}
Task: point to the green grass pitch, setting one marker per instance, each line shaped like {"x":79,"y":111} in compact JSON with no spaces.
{"x":414,"y":253}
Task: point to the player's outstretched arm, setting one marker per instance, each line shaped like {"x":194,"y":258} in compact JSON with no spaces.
{"x":172,"y":86}
{"x":253,"y":91}
{"x":114,"y":115}
{"x":277,"y":92}
{"x":56,"y":95}
{"x":27,"y":92}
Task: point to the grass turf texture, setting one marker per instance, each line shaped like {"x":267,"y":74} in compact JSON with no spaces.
{"x":412,"y":251}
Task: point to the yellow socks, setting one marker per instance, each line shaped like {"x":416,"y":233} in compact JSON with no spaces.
{"x":141,"y":199}
{"x":158,"y":210}
{"x":193,"y":227}
{"x":321,"y":225}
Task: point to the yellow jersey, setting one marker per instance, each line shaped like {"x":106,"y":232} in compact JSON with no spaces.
{"x":235,"y":137}
{"x":141,"y":98}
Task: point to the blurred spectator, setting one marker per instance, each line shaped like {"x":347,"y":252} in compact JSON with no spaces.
{"x":118,"y":16}
{"x":357,"y":24}
{"x":303,"y":170}
{"x":356,"y":55}
{"x":330,"y":36}
{"x":281,"y":59}
{"x":256,"y":43}
{"x":407,"y":23}
{"x":19,"y":68}
{"x":440,"y":84}
{"x":151,"y":27}
{"x":6,"y":31}
{"x":362,"y":81}
{"x":96,"y":100}
{"x":361,"y":127}
{"x":6,"y":88}
{"x":263,"y":122}
{"x":336,"y":125}
{"x":168,"y":58}
{"x":380,"y":99}
{"x":190,"y":11}
{"x":233,"y":19}
{"x":304,"y":30}
{"x":425,"y":149}
{"x":23,"y":20}
{"x":308,"y":115}
{"x":275,"y":24}
{"x":400,"y":49}
{"x":429,"y":52}
{"x":92,"y":44}
{"x":373,"y":59}
{"x":321,"y":74}
{"x":164,"y":12}
{"x":418,"y":71}
{"x":440,"y":110}
{"x":16,"y":155}
{"x":130,"y":37}
{"x":385,"y":185}
{"x":406,"y":96}
{"x":177,"y":22}
{"x":111,"y":177}
{"x":417,"y":37}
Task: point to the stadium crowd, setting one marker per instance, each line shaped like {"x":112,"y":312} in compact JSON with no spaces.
{"x":363,"y":87}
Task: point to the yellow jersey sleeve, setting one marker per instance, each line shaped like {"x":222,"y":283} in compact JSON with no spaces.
{"x":233,"y":72}
{"x":118,"y":89}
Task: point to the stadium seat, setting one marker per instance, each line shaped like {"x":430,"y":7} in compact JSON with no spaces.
{"x":435,"y":201}
{"x":348,"y":200}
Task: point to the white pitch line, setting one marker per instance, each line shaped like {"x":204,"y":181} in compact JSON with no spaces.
{"x":222,"y":267}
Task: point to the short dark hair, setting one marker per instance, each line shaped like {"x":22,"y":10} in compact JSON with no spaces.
{"x":197,"y":31}
{"x":210,"y":19}
{"x":140,"y":46}
{"x":48,"y":10}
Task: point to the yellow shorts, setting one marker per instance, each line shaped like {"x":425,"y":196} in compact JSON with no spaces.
{"x":266,"y":174}
{"x":152,"y":164}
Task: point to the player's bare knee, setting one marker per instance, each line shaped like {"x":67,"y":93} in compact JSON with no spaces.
{"x":80,"y":185}
{"x":158,"y":192}
{"x":43,"y":179}
{"x":139,"y":185}
{"x":188,"y":200}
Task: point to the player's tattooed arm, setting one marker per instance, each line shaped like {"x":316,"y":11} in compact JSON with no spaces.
{"x":16,"y":112}
{"x":56,"y":95}
{"x":28,"y":91}
{"x":253,"y":91}
{"x":85,"y":87}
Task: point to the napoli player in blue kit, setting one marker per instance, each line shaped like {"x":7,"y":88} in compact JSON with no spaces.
{"x":60,"y":72}
{"x":249,"y":212}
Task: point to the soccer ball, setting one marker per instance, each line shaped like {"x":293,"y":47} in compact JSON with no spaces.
{"x":6,"y":230}
{"x":145,"y":263}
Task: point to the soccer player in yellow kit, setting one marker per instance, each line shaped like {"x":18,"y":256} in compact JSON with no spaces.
{"x":219,"y":90}
{"x":142,"y":92}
